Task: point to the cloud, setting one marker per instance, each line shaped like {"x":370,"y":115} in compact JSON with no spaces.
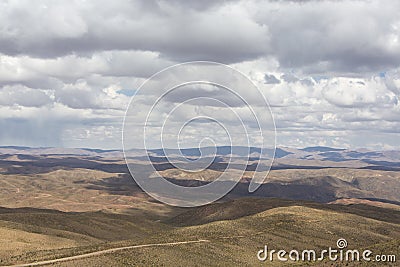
{"x":228,"y":31}
{"x":28,"y":132}
{"x":350,"y":36}
{"x":24,"y":96}
{"x":353,"y":93}
{"x":82,"y":96}
{"x":60,"y":125}
{"x":271,"y":79}
{"x":48,"y":29}
{"x":392,"y":81}
{"x":73,"y":66}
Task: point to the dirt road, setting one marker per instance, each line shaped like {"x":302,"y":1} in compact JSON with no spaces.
{"x":101,"y":252}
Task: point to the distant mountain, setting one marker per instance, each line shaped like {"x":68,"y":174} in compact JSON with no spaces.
{"x":321,"y":149}
{"x":240,"y":151}
{"x":57,"y":151}
{"x":308,"y":154}
{"x":280,"y":153}
{"x":296,"y":174}
{"x":16,"y":147}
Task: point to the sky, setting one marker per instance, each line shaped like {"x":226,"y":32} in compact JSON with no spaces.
{"x":330,"y":70}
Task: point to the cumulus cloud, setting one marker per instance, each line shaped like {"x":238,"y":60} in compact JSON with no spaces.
{"x":351,"y":93}
{"x":24,"y":96}
{"x":271,"y":79}
{"x":392,"y":81}
{"x":332,"y":36}
{"x":329,"y":69}
{"x":350,"y":36}
{"x":48,"y":29}
{"x":82,"y":96}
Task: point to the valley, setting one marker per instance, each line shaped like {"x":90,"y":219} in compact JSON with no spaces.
{"x":69,"y":209}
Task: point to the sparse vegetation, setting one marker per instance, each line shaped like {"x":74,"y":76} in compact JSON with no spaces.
{"x":55,"y":209}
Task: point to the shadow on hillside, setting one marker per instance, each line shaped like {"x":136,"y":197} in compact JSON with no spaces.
{"x":44,"y":165}
{"x":319,"y":191}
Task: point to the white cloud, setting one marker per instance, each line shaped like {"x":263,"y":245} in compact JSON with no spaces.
{"x":24,"y":96}
{"x":332,"y":36}
{"x":81,"y":96}
{"x":328,"y":68}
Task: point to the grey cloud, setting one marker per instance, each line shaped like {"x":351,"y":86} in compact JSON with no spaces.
{"x":350,"y":36}
{"x":392,"y":81}
{"x":362,"y":115}
{"x":336,"y":36}
{"x":47,"y":29}
{"x":203,"y":95}
{"x":23,"y":96}
{"x":307,"y":82}
{"x":30,"y":132}
{"x":133,"y":63}
{"x":44,"y":82}
{"x":271,"y":79}
{"x":197,"y":5}
{"x":77,"y":98}
{"x":83,"y":95}
{"x":84,"y":60}
{"x":50,"y":130}
{"x":290,"y":78}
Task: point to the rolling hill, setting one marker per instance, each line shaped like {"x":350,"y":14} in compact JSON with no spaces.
{"x":233,"y":232}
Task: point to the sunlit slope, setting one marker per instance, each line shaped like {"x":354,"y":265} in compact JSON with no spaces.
{"x":235,"y":239}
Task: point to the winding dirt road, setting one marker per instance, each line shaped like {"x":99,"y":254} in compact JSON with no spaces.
{"x":101,"y":252}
